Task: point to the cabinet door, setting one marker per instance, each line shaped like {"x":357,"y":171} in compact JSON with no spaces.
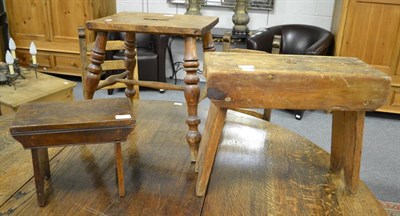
{"x":66,"y":17}
{"x":28,"y":21}
{"x":372,"y":33}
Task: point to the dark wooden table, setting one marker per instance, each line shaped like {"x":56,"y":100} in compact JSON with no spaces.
{"x":187,"y":26}
{"x":271,"y":172}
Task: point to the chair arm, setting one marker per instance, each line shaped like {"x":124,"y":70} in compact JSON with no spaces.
{"x":262,"y":40}
{"x":321,"y":46}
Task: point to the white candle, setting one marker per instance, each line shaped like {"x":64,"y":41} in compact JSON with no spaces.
{"x":10,"y":62}
{"x":33,"y":51}
{"x":13,"y":47}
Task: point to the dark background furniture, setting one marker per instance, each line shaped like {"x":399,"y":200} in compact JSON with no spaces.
{"x":3,"y":32}
{"x":296,"y":39}
{"x":151,"y":50}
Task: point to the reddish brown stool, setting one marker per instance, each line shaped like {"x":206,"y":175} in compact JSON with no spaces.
{"x":38,"y":126}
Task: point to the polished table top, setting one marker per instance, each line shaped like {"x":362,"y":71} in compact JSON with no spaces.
{"x":260,"y":169}
{"x":155,"y":23}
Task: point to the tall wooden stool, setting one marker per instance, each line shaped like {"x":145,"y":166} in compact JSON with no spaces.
{"x":38,"y":126}
{"x":347,"y":86}
{"x":187,"y":26}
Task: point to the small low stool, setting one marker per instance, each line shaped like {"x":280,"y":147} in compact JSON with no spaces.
{"x":347,"y":86}
{"x":38,"y":126}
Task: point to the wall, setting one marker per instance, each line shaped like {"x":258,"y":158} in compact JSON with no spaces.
{"x":311,"y":12}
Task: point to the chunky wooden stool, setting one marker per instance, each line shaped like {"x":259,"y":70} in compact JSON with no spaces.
{"x":38,"y":126}
{"x":188,"y":26}
{"x":347,"y":86}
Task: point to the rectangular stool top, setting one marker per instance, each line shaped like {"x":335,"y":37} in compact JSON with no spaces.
{"x":155,"y":23}
{"x":252,"y":80}
{"x":77,"y":115}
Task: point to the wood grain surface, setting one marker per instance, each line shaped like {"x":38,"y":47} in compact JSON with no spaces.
{"x":45,"y":88}
{"x":294,"y":82}
{"x":260,"y":169}
{"x":155,"y":23}
{"x":15,"y":162}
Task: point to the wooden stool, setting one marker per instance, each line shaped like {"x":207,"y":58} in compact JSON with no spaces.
{"x":347,"y":86}
{"x":38,"y":126}
{"x":188,"y":26}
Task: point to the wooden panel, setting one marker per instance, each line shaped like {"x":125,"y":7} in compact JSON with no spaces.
{"x":294,"y":82}
{"x":74,"y":11}
{"x":370,"y":30}
{"x":72,"y":62}
{"x":28,"y":19}
{"x":372,"y":33}
{"x":396,"y":98}
{"x":43,"y":58}
{"x":52,"y":24}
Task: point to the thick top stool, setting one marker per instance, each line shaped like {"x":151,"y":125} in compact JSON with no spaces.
{"x":347,"y":86}
{"x":38,"y":126}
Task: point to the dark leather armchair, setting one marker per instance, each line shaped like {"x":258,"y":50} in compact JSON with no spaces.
{"x":296,"y":40}
{"x":151,"y":55}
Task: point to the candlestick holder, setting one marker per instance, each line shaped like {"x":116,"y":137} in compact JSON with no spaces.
{"x":17,"y":69}
{"x":35,"y":66}
{"x":5,"y":77}
{"x":11,"y":78}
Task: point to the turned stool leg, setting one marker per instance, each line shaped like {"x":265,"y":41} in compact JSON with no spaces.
{"x":96,"y":59}
{"x":120,"y":169}
{"x":347,"y":135}
{"x":208,"y":147}
{"x":40,"y":169}
{"x":192,"y":94}
{"x":130,"y":62}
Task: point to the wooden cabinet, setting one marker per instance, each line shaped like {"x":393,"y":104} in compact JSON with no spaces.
{"x":53,"y":26}
{"x":370,"y":30}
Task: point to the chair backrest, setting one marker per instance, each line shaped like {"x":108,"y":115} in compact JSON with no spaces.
{"x":296,"y":39}
{"x":109,"y":64}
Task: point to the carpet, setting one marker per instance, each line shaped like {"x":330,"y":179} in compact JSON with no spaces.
{"x":393,"y":209}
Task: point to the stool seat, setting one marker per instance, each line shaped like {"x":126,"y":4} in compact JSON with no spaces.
{"x":347,"y":86}
{"x":294,"y":82}
{"x":53,"y":124}
{"x":38,"y":126}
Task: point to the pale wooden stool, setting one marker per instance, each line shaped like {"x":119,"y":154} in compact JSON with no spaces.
{"x":347,"y":86}
{"x":38,"y":126}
